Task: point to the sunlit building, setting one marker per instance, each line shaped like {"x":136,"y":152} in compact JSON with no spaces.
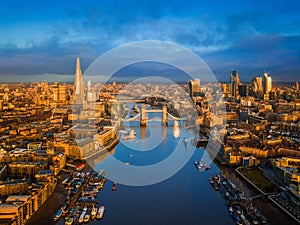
{"x":257,"y":87}
{"x":78,"y":84}
{"x":234,"y":81}
{"x":267,"y":83}
{"x":194,"y":86}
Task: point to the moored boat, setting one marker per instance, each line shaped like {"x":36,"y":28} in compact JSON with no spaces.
{"x":201,"y":165}
{"x":100,"y":212}
{"x":69,"y":221}
{"x":94,"y":212}
{"x":86,"y":218}
{"x":82,"y":215}
{"x":58,"y":214}
{"x":64,"y":211}
{"x":114,"y":187}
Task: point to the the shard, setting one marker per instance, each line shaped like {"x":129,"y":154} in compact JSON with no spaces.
{"x":78,"y":84}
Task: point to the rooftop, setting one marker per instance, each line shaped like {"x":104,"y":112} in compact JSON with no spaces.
{"x":8,"y":209}
{"x":17,"y":198}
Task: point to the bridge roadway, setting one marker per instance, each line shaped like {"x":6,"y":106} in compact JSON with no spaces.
{"x":153,"y":110}
{"x":135,"y":118}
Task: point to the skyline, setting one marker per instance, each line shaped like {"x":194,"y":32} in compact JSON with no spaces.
{"x":44,"y":39}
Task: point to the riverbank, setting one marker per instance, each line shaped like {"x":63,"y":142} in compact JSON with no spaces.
{"x":253,"y":176}
{"x":46,"y":213}
{"x":273,"y":214}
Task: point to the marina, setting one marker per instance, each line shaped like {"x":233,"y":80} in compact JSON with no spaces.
{"x":240,"y":207}
{"x":81,"y":205}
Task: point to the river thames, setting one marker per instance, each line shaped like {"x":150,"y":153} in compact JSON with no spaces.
{"x":184,"y":198}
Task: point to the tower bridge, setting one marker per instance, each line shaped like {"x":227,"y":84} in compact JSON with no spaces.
{"x":143,"y":116}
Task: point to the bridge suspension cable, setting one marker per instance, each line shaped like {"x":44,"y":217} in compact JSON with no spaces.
{"x":130,"y":119}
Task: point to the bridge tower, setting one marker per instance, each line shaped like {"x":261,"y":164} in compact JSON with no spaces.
{"x":164,"y":115}
{"x":143,"y":121}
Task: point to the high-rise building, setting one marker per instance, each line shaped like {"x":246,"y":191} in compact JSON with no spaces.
{"x":89,"y":95}
{"x":78,"y":84}
{"x":257,"y":87}
{"x":297,"y":86}
{"x":243,"y":90}
{"x":226,"y":89}
{"x":267,"y":83}
{"x":59,"y":92}
{"x":194,"y":86}
{"x":62,"y":92}
{"x":234,"y":82}
{"x":54,"y":90}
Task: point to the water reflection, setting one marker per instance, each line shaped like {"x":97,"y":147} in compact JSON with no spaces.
{"x":176,"y":129}
{"x":143,"y":133}
{"x":98,"y":158}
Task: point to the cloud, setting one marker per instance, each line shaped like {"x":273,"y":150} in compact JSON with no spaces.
{"x":229,"y":35}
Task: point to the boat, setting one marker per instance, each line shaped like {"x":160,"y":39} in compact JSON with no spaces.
{"x":82,"y":215}
{"x":201,"y":165}
{"x":130,"y":135}
{"x":202,"y":139}
{"x":230,"y":209}
{"x":94,"y":212}
{"x":86,"y":218}
{"x":64,"y":210}
{"x":58,"y":214}
{"x":100,"y":212}
{"x":80,"y":167}
{"x":69,"y":214}
{"x":114,"y":187}
{"x":69,"y":221}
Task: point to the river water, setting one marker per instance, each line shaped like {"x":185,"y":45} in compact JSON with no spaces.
{"x":186,"y":198}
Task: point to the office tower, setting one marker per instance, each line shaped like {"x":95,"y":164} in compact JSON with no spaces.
{"x":54,"y":90}
{"x":62,"y":92}
{"x":234,"y":81}
{"x":89,"y":95}
{"x":226,"y":89}
{"x":194,"y":86}
{"x":257,"y":87}
{"x":297,"y":86}
{"x":267,"y":83}
{"x":272,"y":95}
{"x":59,"y":92}
{"x":78,"y":84}
{"x":243,"y":90}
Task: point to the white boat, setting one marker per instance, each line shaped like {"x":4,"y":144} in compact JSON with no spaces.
{"x":94,"y":212}
{"x":81,"y":218}
{"x":100,"y":212}
{"x":130,"y":135}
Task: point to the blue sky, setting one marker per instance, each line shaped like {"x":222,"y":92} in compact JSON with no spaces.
{"x":43,"y":38}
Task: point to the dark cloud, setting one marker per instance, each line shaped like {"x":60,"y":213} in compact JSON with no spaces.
{"x":250,"y":37}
